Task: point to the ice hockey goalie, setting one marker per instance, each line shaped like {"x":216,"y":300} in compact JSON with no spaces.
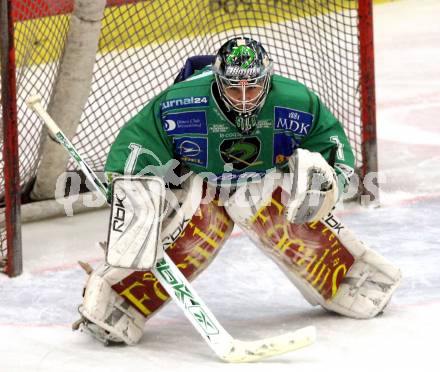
{"x":234,"y":143}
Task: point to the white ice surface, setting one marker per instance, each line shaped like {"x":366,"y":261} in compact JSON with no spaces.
{"x":256,"y":300}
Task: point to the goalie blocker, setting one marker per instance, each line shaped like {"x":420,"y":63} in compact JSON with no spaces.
{"x":138,"y":205}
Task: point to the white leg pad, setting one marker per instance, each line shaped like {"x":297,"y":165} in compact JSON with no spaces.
{"x":367,"y":287}
{"x":106,"y":309}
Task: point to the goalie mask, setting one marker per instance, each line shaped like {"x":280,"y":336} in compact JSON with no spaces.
{"x":242,"y":70}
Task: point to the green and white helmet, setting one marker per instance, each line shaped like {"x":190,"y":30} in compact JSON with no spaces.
{"x":243,"y":70}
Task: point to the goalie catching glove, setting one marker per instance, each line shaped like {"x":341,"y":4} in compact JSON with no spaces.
{"x":313,"y":187}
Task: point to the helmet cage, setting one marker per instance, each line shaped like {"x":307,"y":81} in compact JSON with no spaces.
{"x":245,"y":96}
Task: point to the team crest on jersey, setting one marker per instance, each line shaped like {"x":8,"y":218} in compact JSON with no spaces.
{"x":184,"y":102}
{"x":297,"y":122}
{"x":241,"y":153}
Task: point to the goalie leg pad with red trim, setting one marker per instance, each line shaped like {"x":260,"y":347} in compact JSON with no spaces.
{"x":324,"y":259}
{"x":192,"y":234}
{"x":194,"y":248}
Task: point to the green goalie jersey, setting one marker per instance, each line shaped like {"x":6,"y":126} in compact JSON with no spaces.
{"x":185,"y":125}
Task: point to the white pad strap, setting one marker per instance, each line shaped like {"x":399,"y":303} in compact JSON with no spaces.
{"x":183,"y":204}
{"x":136,"y":222}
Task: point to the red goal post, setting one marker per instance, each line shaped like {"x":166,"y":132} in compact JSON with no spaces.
{"x":10,"y":258}
{"x":327,"y":45}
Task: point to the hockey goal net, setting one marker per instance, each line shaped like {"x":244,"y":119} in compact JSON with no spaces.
{"x":142,"y":45}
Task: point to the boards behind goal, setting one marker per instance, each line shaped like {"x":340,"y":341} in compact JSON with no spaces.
{"x":140,"y":47}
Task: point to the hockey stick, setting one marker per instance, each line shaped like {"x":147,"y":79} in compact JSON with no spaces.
{"x":181,"y":291}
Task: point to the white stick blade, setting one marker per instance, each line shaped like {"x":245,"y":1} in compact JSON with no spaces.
{"x":252,"y":351}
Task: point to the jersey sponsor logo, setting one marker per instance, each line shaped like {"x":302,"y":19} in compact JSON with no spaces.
{"x":262,"y":124}
{"x":295,"y":121}
{"x":241,"y":153}
{"x":218,"y":128}
{"x":283,"y":147}
{"x":229,"y":135}
{"x":189,"y":148}
{"x":192,"y":150}
{"x":169,"y":125}
{"x":184,"y":102}
{"x":186,"y":122}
